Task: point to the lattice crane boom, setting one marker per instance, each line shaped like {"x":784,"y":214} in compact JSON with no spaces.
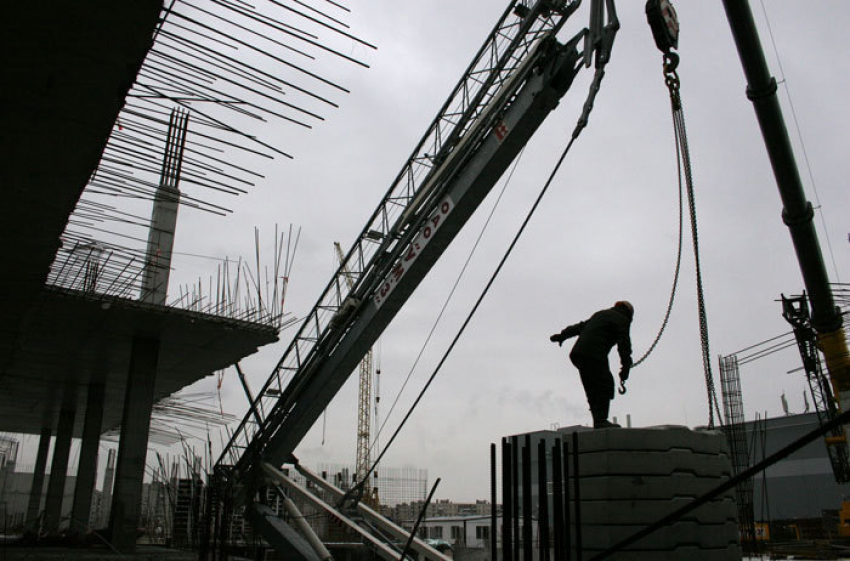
{"x":515,"y":80}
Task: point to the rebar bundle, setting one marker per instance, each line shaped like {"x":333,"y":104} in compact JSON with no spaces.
{"x":235,"y":69}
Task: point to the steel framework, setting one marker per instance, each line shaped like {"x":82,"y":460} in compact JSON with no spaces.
{"x":395,"y":230}
{"x":795,"y":310}
{"x":736,"y":435}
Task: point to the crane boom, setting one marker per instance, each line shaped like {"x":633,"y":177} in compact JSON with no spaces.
{"x":515,"y":80}
{"x":797,"y":214}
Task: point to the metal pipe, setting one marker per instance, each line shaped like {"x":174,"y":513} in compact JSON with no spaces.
{"x":493,"y":540}
{"x":507,"y":502}
{"x":557,"y":502}
{"x":527,"y":535}
{"x":577,"y":497}
{"x":567,"y":528}
{"x":418,"y":521}
{"x":516,"y":485}
{"x":305,"y":529}
{"x":380,"y":548}
{"x":542,"y":501}
{"x":373,"y":517}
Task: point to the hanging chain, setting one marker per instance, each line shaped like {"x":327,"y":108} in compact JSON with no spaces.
{"x":671,"y":60}
{"x":672,"y":298}
{"x":671,"y":78}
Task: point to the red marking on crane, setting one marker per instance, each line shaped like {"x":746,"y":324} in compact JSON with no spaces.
{"x":501,"y":130}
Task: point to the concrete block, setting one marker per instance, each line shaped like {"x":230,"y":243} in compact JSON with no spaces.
{"x":648,"y":487}
{"x":646,"y":512}
{"x":731,"y":553}
{"x":631,"y":478}
{"x":660,"y":438}
{"x":642,"y":463}
{"x":676,"y":536}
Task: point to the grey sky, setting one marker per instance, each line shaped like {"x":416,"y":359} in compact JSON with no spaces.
{"x":606,"y":230}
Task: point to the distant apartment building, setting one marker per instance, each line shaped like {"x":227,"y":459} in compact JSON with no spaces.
{"x":468,"y":531}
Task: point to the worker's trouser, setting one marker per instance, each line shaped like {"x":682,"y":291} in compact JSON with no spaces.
{"x":598,"y":384}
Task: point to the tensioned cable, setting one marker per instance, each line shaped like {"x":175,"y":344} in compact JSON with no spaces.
{"x":767,"y":352}
{"x":784,"y":82}
{"x":753,"y":346}
{"x":448,"y":298}
{"x":582,"y":122}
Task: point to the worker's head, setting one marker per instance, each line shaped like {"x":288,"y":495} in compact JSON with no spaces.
{"x":626,"y":307}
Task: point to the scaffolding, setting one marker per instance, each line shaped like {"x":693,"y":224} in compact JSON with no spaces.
{"x":736,"y":435}
{"x":395,"y":485}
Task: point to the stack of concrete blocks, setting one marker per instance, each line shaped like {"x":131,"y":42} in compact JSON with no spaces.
{"x":631,"y":478}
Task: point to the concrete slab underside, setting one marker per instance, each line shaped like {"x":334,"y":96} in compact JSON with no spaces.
{"x":71,"y":339}
{"x":67,"y":67}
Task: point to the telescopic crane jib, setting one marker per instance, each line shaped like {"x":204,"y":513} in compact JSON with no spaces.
{"x":514,"y":81}
{"x":797,"y":211}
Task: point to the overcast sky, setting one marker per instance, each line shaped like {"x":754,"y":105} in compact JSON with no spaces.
{"x":606,"y":231}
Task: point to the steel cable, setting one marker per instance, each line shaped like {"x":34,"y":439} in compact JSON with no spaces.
{"x":357,"y":489}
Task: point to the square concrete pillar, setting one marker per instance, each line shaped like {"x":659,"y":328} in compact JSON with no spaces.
{"x":133,"y":446}
{"x":59,"y":470}
{"x":38,"y":480}
{"x":87,"y":468}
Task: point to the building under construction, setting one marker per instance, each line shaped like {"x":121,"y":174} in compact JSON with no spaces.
{"x":95,"y":335}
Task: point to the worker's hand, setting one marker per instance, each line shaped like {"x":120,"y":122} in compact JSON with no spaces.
{"x":557,"y":338}
{"x":624,"y":373}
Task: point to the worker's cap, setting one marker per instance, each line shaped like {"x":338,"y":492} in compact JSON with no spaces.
{"x":627,"y":305}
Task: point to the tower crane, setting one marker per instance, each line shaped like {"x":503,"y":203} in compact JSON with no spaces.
{"x":364,"y":401}
{"x":516,"y":79}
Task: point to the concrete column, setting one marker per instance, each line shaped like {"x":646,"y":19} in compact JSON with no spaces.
{"x":87,"y":470}
{"x":59,"y":469}
{"x":164,"y":215}
{"x":133,"y":446}
{"x":106,"y":498}
{"x":38,"y":480}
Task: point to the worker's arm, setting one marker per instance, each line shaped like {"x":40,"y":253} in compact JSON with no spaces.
{"x":567,"y":332}
{"x":624,"y":348}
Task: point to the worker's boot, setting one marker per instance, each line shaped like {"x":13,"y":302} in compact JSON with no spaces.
{"x":599,"y":410}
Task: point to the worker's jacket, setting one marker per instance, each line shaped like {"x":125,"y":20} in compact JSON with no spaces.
{"x":599,"y":333}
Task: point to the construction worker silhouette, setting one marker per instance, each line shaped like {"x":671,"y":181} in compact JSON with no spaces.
{"x":596,"y":337}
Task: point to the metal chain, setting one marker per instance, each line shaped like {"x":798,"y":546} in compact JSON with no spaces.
{"x":678,"y":261}
{"x":672,"y":81}
{"x":671,"y":60}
